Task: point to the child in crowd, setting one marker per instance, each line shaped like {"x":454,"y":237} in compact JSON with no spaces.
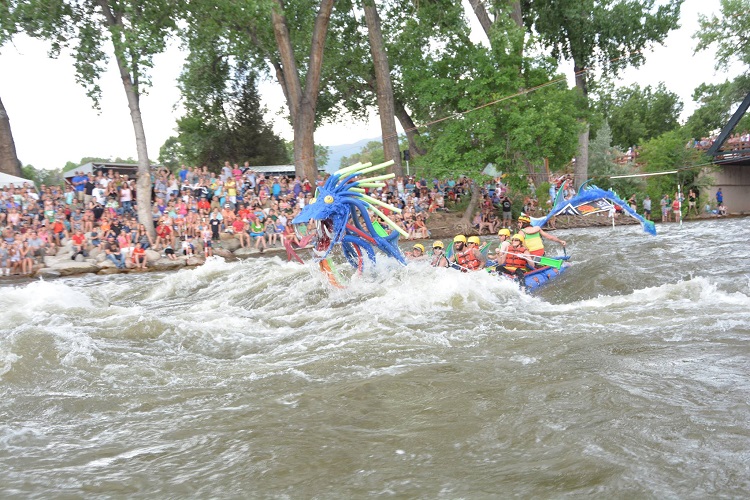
{"x":138,"y":256}
{"x":188,"y":249}
{"x":207,"y":235}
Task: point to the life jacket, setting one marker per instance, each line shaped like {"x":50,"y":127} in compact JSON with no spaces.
{"x":513,"y":259}
{"x":436,"y":260}
{"x":468,"y":260}
{"x":534,"y":243}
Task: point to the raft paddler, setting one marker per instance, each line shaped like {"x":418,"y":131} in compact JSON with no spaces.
{"x":534,"y":236}
{"x":438,"y":255}
{"x":518,"y":259}
{"x":466,"y":254}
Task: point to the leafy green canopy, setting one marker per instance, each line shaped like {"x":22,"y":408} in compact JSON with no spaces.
{"x":635,"y":114}
{"x":224,"y":118}
{"x":725,"y":33}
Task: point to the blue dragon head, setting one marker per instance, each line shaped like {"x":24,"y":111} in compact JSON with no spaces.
{"x":330,"y":213}
{"x":340,"y":208}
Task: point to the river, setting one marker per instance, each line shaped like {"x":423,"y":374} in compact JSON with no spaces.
{"x":628,"y":377}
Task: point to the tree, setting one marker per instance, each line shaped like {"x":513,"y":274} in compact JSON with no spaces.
{"x":302,"y":102}
{"x":636,"y":115}
{"x":603,"y":165}
{"x":39,"y":176}
{"x":385,"y":99}
{"x":372,"y":152}
{"x":606,"y":35}
{"x":668,"y":152}
{"x":727,"y":34}
{"x":224,"y":118}
{"x":9,"y":163}
{"x":134,"y":31}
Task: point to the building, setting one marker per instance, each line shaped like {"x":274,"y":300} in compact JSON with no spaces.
{"x":131,"y":169}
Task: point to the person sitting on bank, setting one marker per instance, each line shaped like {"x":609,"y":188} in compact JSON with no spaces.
{"x":112,"y":250}
{"x":518,"y":260}
{"x":533,"y":236}
{"x":438,"y":255}
{"x":138,"y":256}
{"x":466,"y":255}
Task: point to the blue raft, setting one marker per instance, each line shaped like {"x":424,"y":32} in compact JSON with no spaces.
{"x":539,"y":276}
{"x":542,"y":275}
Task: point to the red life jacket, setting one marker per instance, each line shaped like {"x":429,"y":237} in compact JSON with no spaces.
{"x":513,"y":259}
{"x":468,"y":260}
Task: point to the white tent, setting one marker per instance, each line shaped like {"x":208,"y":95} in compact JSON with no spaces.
{"x":8,"y":180}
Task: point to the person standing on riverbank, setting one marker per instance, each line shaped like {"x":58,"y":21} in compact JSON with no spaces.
{"x":647,"y":208}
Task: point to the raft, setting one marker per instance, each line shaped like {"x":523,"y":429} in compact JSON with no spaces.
{"x":539,"y":276}
{"x":543,"y":275}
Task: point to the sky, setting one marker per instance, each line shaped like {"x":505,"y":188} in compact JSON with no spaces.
{"x":53,"y":122}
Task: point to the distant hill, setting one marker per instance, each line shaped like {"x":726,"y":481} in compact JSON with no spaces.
{"x":342,"y":150}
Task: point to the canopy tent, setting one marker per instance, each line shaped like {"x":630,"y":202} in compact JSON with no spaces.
{"x":12,"y":180}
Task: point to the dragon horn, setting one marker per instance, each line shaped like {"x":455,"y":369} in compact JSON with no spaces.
{"x":377,"y":178}
{"x":350,"y":168}
{"x":382,"y":204}
{"x":377,"y":167}
{"x":389,"y":221}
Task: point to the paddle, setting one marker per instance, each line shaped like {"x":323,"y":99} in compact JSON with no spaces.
{"x":544,"y":261}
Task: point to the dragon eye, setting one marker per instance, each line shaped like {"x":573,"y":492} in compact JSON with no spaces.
{"x":328,"y":199}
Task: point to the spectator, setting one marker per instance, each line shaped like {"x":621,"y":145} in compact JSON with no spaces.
{"x":112,"y":250}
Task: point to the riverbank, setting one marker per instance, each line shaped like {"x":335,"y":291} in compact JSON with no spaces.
{"x":442,"y":225}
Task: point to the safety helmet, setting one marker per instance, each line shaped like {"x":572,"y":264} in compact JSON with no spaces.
{"x":459,"y":238}
{"x":504,"y":232}
{"x":438,"y":244}
{"x":475,"y":240}
{"x":524,"y":218}
{"x":520,"y":237}
{"x":419,"y":247}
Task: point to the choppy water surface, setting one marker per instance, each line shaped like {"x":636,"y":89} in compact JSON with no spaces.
{"x":627,"y":377}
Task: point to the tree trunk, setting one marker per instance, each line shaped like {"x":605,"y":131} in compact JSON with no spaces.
{"x":8,"y":158}
{"x":302,"y":105}
{"x":482,"y":16}
{"x":410,"y":129}
{"x":143,"y":184}
{"x":581,"y":170}
{"x":465,"y":224}
{"x":386,"y":105}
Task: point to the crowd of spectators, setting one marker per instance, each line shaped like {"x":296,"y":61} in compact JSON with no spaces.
{"x":190,"y":209}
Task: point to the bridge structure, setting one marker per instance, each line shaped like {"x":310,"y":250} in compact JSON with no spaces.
{"x":731,"y":152}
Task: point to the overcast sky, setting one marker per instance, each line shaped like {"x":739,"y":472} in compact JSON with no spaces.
{"x":53,"y":122}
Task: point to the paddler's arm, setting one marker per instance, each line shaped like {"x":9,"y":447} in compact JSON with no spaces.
{"x":550,"y":237}
{"x":530,"y":259}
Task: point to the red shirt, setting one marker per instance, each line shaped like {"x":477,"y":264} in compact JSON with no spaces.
{"x":163,"y":231}
{"x":238,"y":225}
{"x":78,"y":239}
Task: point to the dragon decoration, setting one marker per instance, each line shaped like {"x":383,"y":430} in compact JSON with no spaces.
{"x":341,"y":211}
{"x":591,"y":200}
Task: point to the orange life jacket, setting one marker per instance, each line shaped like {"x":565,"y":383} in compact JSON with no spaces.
{"x":468,"y":260}
{"x":513,"y":259}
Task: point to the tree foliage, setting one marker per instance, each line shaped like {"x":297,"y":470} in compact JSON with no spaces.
{"x":668,"y":152}
{"x":224,"y":119}
{"x":372,"y":152}
{"x":635,"y":115}
{"x":603,"y":35}
{"x":725,"y":33}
